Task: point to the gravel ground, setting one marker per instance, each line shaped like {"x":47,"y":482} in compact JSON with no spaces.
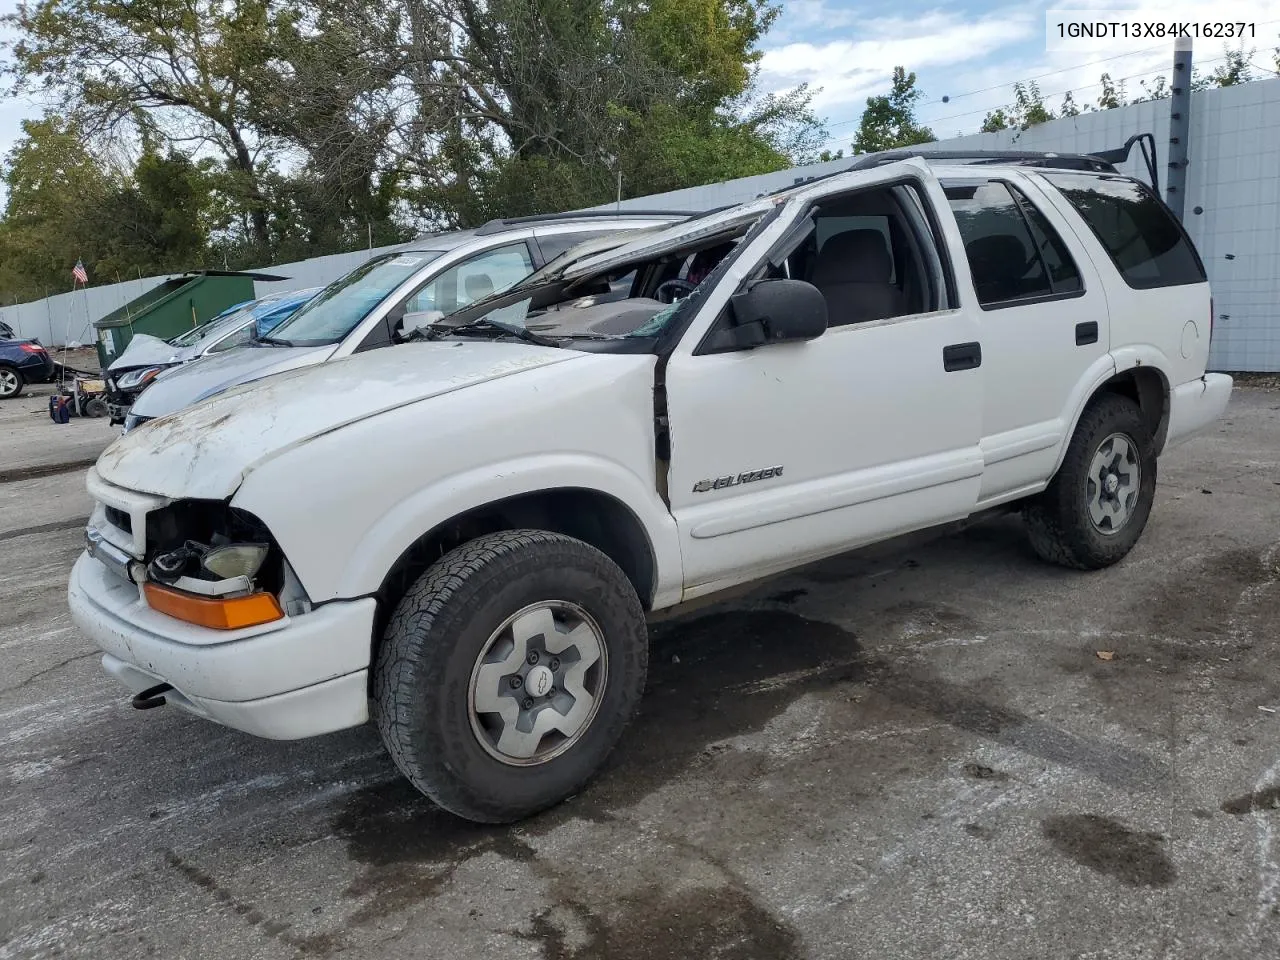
{"x":938,"y":748}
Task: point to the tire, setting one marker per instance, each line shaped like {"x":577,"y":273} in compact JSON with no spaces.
{"x":428,"y":672}
{"x":1061,"y":521}
{"x":11,"y":382}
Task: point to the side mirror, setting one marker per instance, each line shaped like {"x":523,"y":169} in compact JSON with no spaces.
{"x":774,"y":311}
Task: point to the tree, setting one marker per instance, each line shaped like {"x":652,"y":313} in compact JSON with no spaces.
{"x":1111,"y":95}
{"x":889,"y":121}
{"x":524,"y":106}
{"x":995,"y":120}
{"x":1236,"y":70}
{"x":180,"y":70}
{"x":1027,"y":110}
{"x":317,"y":123}
{"x":1159,"y":89}
{"x":1068,"y":108}
{"x":55,"y":187}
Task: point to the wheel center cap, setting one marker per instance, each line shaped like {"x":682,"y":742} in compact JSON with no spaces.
{"x":1111,"y":484}
{"x":539,"y":681}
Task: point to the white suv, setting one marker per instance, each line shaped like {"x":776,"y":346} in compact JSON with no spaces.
{"x":460,"y":538}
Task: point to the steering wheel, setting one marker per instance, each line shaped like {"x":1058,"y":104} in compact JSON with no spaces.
{"x":673,"y":290}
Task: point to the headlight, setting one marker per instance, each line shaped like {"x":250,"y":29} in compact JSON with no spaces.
{"x":137,"y":378}
{"x":235,"y":560}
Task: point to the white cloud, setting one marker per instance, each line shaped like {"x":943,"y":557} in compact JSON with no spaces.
{"x":963,"y":54}
{"x":848,"y":70}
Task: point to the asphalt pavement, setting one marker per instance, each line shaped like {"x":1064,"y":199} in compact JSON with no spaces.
{"x":937,"y":748}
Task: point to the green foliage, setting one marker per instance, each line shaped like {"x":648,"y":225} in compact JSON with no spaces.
{"x":1236,"y":70}
{"x":995,"y":120}
{"x":1027,"y":110}
{"x":889,"y":121}
{"x":1112,"y":96}
{"x":322,"y":124}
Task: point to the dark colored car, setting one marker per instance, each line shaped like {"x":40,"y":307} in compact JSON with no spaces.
{"x":22,"y":362}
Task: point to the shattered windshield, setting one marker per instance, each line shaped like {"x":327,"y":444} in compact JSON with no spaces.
{"x":227,"y":320}
{"x":340,"y":307}
{"x":634,"y":299}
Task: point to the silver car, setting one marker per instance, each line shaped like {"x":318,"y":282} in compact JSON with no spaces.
{"x":389,"y":296}
{"x":146,"y":357}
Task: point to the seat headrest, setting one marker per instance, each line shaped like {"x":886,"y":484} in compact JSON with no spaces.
{"x":478,"y":286}
{"x":855,"y":256}
{"x":1000,"y":257}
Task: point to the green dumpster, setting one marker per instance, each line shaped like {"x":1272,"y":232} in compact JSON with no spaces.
{"x":173,"y":307}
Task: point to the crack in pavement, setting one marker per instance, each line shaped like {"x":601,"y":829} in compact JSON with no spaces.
{"x":48,"y":670}
{"x":53,"y":527}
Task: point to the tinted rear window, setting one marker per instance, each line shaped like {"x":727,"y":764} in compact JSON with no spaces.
{"x":1145,"y":241}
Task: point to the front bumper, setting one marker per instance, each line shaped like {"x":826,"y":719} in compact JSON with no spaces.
{"x":119,"y":402}
{"x":299,"y":677}
{"x":1194,"y":406}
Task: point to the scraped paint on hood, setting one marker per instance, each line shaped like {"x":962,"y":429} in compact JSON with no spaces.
{"x":205,"y":450}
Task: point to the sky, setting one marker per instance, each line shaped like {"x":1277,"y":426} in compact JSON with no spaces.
{"x":972,"y":52}
{"x":968,"y":51}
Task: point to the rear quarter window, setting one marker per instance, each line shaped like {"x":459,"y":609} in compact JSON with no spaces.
{"x":1144,"y":240}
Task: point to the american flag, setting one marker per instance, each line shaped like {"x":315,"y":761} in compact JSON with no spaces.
{"x":78,"y":272}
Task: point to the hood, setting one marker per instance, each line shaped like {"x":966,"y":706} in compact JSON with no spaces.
{"x":211,"y":374}
{"x":206,"y":450}
{"x":145,"y":350}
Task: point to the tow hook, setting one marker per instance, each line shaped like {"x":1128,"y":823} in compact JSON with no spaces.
{"x":151,"y":697}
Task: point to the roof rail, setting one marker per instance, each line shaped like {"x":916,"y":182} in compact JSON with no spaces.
{"x":504,"y":223}
{"x":1071,"y":161}
{"x":1101,"y":161}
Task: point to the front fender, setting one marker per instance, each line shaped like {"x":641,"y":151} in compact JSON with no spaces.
{"x":345,"y":504}
{"x":403,"y":523}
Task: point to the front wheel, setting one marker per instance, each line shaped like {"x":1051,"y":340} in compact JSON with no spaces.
{"x":1096,"y":507}
{"x":508,"y":673}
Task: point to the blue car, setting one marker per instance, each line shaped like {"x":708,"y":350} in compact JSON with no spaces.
{"x":21,"y":362}
{"x":146,"y":357}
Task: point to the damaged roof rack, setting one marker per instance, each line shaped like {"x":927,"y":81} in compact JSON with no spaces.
{"x":495,"y":226}
{"x":1101,"y":161}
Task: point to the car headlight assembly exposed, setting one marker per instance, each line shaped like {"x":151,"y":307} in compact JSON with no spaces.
{"x":235,"y":560}
{"x":137,"y":378}
{"x":216,"y":566}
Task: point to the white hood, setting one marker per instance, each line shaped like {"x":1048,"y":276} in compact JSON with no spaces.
{"x":145,"y":350}
{"x":204,"y":451}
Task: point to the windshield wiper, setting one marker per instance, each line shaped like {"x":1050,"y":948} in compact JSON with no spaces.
{"x":478,"y":325}
{"x":273,"y":341}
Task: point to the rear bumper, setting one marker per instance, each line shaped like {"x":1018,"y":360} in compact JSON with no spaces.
{"x":299,"y":677}
{"x":1194,"y":406}
{"x":38,"y":369}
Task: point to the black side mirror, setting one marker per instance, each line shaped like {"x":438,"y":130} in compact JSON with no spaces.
{"x":773,"y":311}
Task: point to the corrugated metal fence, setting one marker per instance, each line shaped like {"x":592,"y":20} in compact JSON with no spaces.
{"x":68,"y":317}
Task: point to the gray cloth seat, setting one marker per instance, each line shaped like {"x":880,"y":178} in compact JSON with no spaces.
{"x":853,"y":271}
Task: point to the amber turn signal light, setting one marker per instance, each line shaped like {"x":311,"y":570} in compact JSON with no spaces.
{"x":216,"y":613}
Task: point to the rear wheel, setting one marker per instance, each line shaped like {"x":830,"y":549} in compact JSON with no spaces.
{"x":1097,"y":505}
{"x":508,"y":672}
{"x":11,"y":383}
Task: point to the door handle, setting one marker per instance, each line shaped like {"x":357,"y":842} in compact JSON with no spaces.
{"x":1086,"y":333}
{"x":961,"y":356}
